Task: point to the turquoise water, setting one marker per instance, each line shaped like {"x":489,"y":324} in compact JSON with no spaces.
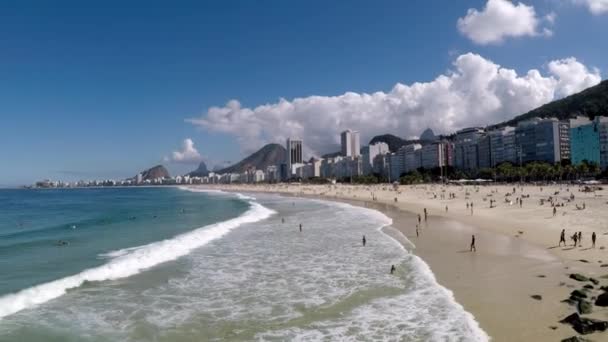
{"x":199,"y":266}
{"x":92,"y":222}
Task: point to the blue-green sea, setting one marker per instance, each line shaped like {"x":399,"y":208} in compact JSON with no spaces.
{"x":178,"y":264}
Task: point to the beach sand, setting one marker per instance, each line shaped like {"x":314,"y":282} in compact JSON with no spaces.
{"x":516,"y":253}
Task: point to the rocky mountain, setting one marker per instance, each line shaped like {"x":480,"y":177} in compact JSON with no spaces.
{"x":271,"y":154}
{"x":590,"y":102}
{"x":157,"y":171}
{"x":201,"y":171}
{"x":427,"y":135}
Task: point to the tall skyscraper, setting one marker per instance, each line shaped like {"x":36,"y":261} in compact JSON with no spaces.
{"x":350,"y":143}
{"x":294,"y":154}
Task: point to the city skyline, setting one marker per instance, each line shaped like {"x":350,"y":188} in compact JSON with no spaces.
{"x":88,"y":100}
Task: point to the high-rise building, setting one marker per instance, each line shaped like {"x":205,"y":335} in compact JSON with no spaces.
{"x":466,"y":153}
{"x":502,"y":146}
{"x":413,"y":156}
{"x":369,"y":153}
{"x":603,"y":132}
{"x":433,"y":155}
{"x":484,"y":152}
{"x":396,"y":166}
{"x":564,"y":140}
{"x":584,"y":140}
{"x":539,"y":140}
{"x":294,"y":155}
{"x":350,"y":143}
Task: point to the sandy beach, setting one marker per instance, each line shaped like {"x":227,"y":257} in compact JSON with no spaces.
{"x":517,"y":246}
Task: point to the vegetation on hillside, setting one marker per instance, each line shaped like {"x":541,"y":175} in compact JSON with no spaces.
{"x":590,"y":102}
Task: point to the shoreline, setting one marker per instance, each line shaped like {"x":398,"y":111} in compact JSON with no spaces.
{"x":495,"y":284}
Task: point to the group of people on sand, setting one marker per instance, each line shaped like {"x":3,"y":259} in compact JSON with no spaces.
{"x":577,"y":237}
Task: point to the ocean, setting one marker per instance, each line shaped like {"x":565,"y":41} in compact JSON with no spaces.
{"x":179,"y":264}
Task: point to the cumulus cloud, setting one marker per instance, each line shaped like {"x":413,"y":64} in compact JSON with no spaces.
{"x":596,"y":7}
{"x":187,"y":155}
{"x":475,"y":92}
{"x":500,"y":19}
{"x":572,"y":76}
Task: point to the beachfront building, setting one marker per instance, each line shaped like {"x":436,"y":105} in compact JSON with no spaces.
{"x":484,"y":152}
{"x":564,"y":140}
{"x":412,"y":157}
{"x":350,"y":143}
{"x":327,"y":166}
{"x":368,"y":153}
{"x":603,"y":133}
{"x":584,"y":141}
{"x":502,"y":146}
{"x":294,"y":156}
{"x":433,"y":155}
{"x":311,"y":169}
{"x":396,"y":163}
{"x":466,"y":153}
{"x":539,"y":140}
{"x":381,"y":165}
{"x":272,"y":174}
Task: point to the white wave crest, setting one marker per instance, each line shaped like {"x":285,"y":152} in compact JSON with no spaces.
{"x":130,"y":261}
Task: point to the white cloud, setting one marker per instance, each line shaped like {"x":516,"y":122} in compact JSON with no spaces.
{"x":573,"y":76}
{"x":475,"y":92}
{"x":596,"y":7}
{"x":187,"y":155}
{"x":500,"y":19}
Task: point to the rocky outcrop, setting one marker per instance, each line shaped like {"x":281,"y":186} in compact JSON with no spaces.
{"x":578,"y":277}
{"x":602,"y":300}
{"x":584,"y":325}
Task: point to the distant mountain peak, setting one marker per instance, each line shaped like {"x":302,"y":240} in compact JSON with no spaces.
{"x":270,"y":154}
{"x":428,"y":135}
{"x":201,"y":171}
{"x":158,"y":171}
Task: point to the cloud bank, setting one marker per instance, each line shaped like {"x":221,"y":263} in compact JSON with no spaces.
{"x":187,"y":155}
{"x":501,"y":19}
{"x":475,"y":92}
{"x":596,"y":7}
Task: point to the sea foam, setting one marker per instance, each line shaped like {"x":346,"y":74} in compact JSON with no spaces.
{"x":130,"y":261}
{"x":462,"y":322}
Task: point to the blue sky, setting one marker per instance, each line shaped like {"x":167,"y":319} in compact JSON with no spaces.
{"x":105,"y":91}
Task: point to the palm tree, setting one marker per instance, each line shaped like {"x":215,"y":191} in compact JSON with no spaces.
{"x":558,"y":171}
{"x":583,"y":169}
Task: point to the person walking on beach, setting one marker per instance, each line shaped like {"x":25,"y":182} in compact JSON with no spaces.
{"x":554,"y":211}
{"x":425,"y":214}
{"x":580,"y":239}
{"x":473,"y":249}
{"x":300,"y":227}
{"x":446,"y":208}
{"x":393,"y":269}
{"x":575,"y":238}
{"x":562,"y":237}
{"x":593,"y":237}
{"x":419,"y":219}
{"x":417,"y":234}
{"x":363,"y":240}
{"x":471,"y":208}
